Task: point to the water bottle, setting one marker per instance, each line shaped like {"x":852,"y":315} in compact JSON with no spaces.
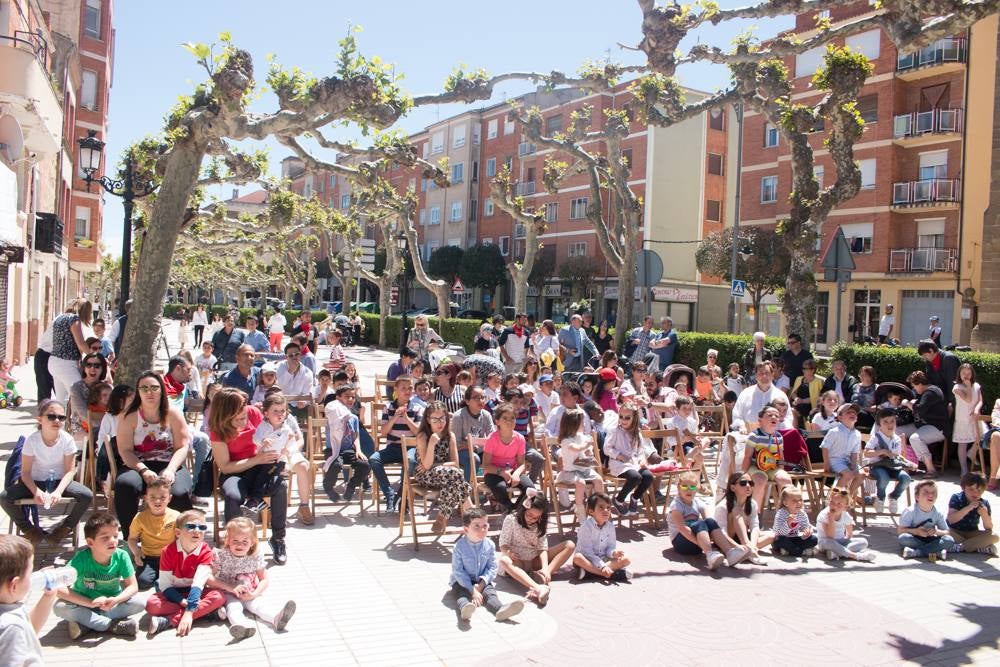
{"x":48,"y":490}
{"x":53,"y":577}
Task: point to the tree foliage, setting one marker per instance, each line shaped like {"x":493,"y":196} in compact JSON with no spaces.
{"x":445,"y":262}
{"x":580,"y":273}
{"x":482,"y":266}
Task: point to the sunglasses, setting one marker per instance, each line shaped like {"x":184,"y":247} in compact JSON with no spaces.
{"x":200,"y":527}
{"x":626,"y":418}
{"x":92,"y":365}
{"x":55,"y":418}
{"x":746,"y":482}
{"x":688,"y":487}
{"x":292,"y":355}
{"x":149,"y":388}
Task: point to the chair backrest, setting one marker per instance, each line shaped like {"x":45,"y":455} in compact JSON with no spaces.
{"x":718,"y":412}
{"x":667,"y":434}
{"x":471,"y":443}
{"x":315,"y":438}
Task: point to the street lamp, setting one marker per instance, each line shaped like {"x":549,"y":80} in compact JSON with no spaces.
{"x":405,"y":335}
{"x":733,"y":307}
{"x":126,"y":187}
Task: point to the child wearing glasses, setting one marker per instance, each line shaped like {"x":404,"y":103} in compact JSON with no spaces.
{"x":185,"y":567}
{"x":739,"y":516}
{"x":627,"y":459}
{"x":437,"y":464}
{"x":238,"y":570}
{"x":693,"y":532}
{"x":836,"y":530}
{"x":48,"y":467}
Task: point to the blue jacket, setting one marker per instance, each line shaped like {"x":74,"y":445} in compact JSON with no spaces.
{"x":472,"y":562}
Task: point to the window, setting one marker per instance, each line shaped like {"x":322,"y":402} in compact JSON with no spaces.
{"x":477,"y":132}
{"x":627,"y":159}
{"x":867,"y":168}
{"x":491,"y":129}
{"x":455,"y":243}
{"x":859,"y":237}
{"x":488,"y":208}
{"x":423,"y":185}
{"x":92,"y":19}
{"x":473,"y":210}
{"x":412,"y":185}
{"x":456,"y":212}
{"x":508,"y":126}
{"x":307,"y":186}
{"x":504,"y":245}
{"x":716,"y":119}
{"x":426,"y":150}
{"x":333,"y":180}
{"x":435,"y":216}
{"x":868,"y":108}
{"x":88,"y":90}
{"x":823,"y":14}
{"x":808,"y":62}
{"x":715,"y":164}
{"x":321,"y":185}
{"x":437,"y":143}
{"x":930,"y":233}
{"x":770,"y":136}
{"x":345,"y":201}
{"x":431,"y":247}
{"x":81,"y":229}
{"x":933,"y":165}
{"x":822,"y":315}
{"x":818,"y":173}
{"x":768,"y":189}
{"x":865,"y":43}
{"x":551,"y":212}
{"x":509,"y":162}
{"x":578,"y":249}
{"x":458,"y":136}
{"x":457,"y":175}
{"x":491,"y":167}
{"x":475,"y":172}
{"x":553,"y":124}
{"x":713,"y":210}
{"x":578,"y":208}
{"x":423,"y":216}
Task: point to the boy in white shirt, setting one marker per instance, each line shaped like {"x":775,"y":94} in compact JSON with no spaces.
{"x":546,"y":399}
{"x":843,"y":442}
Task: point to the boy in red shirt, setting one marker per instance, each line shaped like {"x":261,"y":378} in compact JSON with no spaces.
{"x":185,"y":566}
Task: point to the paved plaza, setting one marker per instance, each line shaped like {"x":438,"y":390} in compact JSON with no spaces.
{"x":366,"y":597}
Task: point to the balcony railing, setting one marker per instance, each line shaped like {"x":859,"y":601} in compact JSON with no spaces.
{"x":524,"y":189}
{"x":926,"y":122}
{"x":925,"y":192}
{"x":905,"y":260}
{"x":28,"y":41}
{"x":950,"y":49}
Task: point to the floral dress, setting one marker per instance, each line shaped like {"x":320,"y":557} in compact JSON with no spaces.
{"x":450,"y":482}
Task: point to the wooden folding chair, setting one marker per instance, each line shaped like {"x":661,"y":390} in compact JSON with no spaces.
{"x":718,"y":414}
{"x":977,"y":449}
{"x":316,"y":455}
{"x":64,"y":502}
{"x":293,"y":402}
{"x":670,"y":476}
{"x":265,"y":515}
{"x":193,"y":407}
{"x":551,"y":484}
{"x":383,"y":388}
{"x":409,"y":495}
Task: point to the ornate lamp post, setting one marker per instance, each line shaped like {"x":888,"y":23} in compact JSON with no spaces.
{"x":126,"y":187}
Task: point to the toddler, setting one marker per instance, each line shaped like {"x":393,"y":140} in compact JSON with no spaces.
{"x":836,"y":527}
{"x":525,"y":549}
{"x":578,"y":462}
{"x":693,"y":531}
{"x":153,"y":529}
{"x":922,"y":529}
{"x":888,"y":462}
{"x":206,"y":362}
{"x":268,"y":378}
{"x":596,"y":541}
{"x":791,"y":526}
{"x":238,"y":570}
{"x":279,"y":432}
{"x":19,"y":629}
{"x":966,"y":509}
{"x":474,"y":569}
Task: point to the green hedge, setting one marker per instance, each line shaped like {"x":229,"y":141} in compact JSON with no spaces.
{"x":458,"y":331}
{"x":894,"y":364}
{"x":170,"y":311}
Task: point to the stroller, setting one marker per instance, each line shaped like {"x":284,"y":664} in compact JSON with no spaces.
{"x":673,"y":372}
{"x":904,"y":415}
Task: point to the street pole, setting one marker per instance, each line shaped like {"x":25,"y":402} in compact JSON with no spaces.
{"x":128,"y":203}
{"x":733,"y":309}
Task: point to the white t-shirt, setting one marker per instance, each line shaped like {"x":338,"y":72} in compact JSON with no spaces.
{"x":682,"y":424}
{"x":48,"y":460}
{"x":885,"y":324}
{"x":839,"y":526}
{"x":572,"y":448}
{"x":276,"y":323}
{"x":842,"y":442}
{"x":108,"y":428}
{"x":824,"y":423}
{"x":722,"y":517}
{"x":336,"y":416}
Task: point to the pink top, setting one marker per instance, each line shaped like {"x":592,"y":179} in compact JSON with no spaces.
{"x":504,"y":456}
{"x":608,"y":401}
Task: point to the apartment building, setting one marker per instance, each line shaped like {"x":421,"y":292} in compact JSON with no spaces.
{"x":915,"y":228}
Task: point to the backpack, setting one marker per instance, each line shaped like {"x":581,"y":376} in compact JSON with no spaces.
{"x":12,"y":473}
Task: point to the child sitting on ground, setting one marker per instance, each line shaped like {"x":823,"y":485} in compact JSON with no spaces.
{"x":965,"y":511}
{"x":151,"y":531}
{"x":836,"y":527}
{"x":19,"y":629}
{"x":794,"y":534}
{"x":693,"y":532}
{"x":238,"y":570}
{"x":280,"y":432}
{"x":101,"y":597}
{"x":596,"y":541}
{"x":524,"y":547}
{"x":922,"y":529}
{"x":474,"y":569}
{"x":185,"y":566}
{"x":578,"y":462}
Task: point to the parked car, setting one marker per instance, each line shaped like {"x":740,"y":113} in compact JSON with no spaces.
{"x":332,"y":307}
{"x":370,"y":307}
{"x":474,"y":315}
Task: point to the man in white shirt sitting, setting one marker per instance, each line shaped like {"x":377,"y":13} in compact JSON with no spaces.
{"x":755,"y":397}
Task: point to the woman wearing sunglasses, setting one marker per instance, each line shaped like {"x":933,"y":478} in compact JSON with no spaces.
{"x":95,"y":368}
{"x":153,"y":442}
{"x":738,"y":515}
{"x":48,"y":464}
{"x":423,"y":338}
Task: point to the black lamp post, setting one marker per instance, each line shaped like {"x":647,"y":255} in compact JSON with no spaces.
{"x":405,"y":335}
{"x":125,"y":187}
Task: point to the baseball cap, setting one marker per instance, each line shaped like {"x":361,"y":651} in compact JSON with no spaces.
{"x":545,"y":378}
{"x":608,"y":374}
{"x":935,"y":318}
{"x":269,"y":367}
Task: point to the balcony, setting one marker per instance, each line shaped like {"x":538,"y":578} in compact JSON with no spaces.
{"x":27,"y":93}
{"x":49,"y":234}
{"x":943,"y":56}
{"x":524,"y":189}
{"x":923,"y":260}
{"x":927,"y":127}
{"x":936,"y":193}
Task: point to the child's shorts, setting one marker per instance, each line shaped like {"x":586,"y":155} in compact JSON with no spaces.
{"x":295,"y":459}
{"x":841,"y":464}
{"x":583,"y":475}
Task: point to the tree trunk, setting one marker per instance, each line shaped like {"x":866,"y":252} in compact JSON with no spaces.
{"x":153,"y":267}
{"x":756,"y":297}
{"x":385,"y":287}
{"x":800,"y":286}
{"x":440,"y":289}
{"x":626,"y":301}
{"x":519,"y":281}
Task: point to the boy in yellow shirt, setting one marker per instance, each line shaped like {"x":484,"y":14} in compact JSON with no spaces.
{"x":151,"y":530}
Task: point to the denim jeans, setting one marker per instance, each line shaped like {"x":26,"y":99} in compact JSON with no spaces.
{"x":686,"y":547}
{"x":95,"y":619}
{"x":463,"y":596}
{"x":882,"y":477}
{"x":795,"y":545}
{"x":926,"y":548}
{"x":463,"y":461}
{"x":843,"y":547}
{"x":346,"y":459}
{"x":235,"y":489}
{"x":201,"y":446}
{"x":378,"y":461}
{"x":148,"y":572}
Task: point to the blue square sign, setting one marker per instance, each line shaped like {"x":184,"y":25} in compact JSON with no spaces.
{"x":739,"y":289}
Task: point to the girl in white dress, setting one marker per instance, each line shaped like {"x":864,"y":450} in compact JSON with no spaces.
{"x":968,"y":403}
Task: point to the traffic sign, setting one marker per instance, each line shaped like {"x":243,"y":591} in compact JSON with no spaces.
{"x":458,"y":287}
{"x":648,"y":268}
{"x":394,"y":296}
{"x":739,"y":289}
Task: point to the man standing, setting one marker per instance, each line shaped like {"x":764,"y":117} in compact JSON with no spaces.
{"x":794,"y":356}
{"x":573,"y":342}
{"x":886,"y":324}
{"x":934,"y":332}
{"x":941,"y":368}
{"x":665,"y":345}
{"x":255,"y":338}
{"x":226,"y":342}
{"x":293,"y":376}
{"x":641,"y":338}
{"x":244,"y":375}
{"x":514,"y":344}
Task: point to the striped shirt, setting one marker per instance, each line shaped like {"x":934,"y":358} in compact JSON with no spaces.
{"x":523,"y":418}
{"x":400,"y":429}
{"x":453,"y":402}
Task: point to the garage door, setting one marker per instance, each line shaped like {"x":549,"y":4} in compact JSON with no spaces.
{"x":917,"y":307}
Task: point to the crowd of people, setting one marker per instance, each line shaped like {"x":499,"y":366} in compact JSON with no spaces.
{"x":616,"y":429}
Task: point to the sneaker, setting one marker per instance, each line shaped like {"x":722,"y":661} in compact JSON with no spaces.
{"x":74,"y":629}
{"x":467,"y":610}
{"x":249,"y":511}
{"x":510,"y":609}
{"x":285,"y":615}
{"x":943,"y":555}
{"x":893,"y":505}
{"x":909,"y":552}
{"x":867,"y":556}
{"x":156,"y":624}
{"x":808,"y":553}
{"x":990,"y":550}
{"x":754,"y":559}
{"x":621,"y":576}
{"x":391,"y":501}
{"x":241,"y":632}
{"x":349,"y":493}
{"x":620,"y":507}
{"x":831,"y":556}
{"x":126,"y":627}
{"x":782,"y":552}
{"x":715,"y":559}
{"x":736,"y":555}
{"x":633,"y":508}
{"x":581,"y":574}
{"x":278,"y":550}
{"x":956,"y":548}
{"x":61,"y":532}
{"x":334,"y":497}
{"x":305,"y":515}
{"x":879,"y":505}
{"x":660,"y":496}
{"x":35,"y":535}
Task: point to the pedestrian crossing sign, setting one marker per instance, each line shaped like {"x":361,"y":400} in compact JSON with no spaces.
{"x":739,"y":289}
